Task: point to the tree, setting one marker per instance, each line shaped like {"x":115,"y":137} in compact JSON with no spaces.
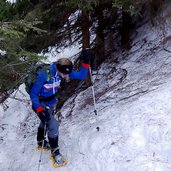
{"x":22,"y":35}
{"x":16,"y":61}
{"x":15,"y":64}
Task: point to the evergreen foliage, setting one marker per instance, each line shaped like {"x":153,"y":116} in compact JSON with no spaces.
{"x":15,"y":64}
{"x":84,"y":4}
{"x":22,"y":34}
{"x":6,"y":10}
{"x":131,"y":6}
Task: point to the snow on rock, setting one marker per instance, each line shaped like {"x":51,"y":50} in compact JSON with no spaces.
{"x":1,"y":111}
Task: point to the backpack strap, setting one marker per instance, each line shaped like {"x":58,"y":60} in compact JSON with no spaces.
{"x":46,"y":68}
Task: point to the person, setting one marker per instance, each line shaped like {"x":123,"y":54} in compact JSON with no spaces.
{"x":43,"y":97}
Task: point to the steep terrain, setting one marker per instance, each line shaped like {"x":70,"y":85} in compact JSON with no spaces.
{"x":133,"y":104}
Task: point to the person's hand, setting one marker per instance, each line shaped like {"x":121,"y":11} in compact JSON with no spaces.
{"x":43,"y":115}
{"x":86,"y":56}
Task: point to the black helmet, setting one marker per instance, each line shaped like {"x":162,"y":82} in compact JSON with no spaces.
{"x":64,"y":65}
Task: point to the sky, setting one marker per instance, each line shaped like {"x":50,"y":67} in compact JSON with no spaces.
{"x":133,"y":101}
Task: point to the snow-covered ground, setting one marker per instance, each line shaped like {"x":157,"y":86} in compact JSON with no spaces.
{"x":133,"y":105}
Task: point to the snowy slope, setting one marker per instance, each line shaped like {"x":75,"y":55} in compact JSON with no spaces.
{"x":133,"y":104}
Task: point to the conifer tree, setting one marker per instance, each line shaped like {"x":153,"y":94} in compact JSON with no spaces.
{"x":15,"y":60}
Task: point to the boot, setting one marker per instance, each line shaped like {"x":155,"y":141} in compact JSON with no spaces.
{"x":57,"y":158}
{"x":43,"y":145}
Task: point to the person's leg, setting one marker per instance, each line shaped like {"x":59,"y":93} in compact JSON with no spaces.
{"x":53,"y":129}
{"x":53,"y":132}
{"x":41,"y":135}
{"x":41,"y":132}
{"x":42,"y":143}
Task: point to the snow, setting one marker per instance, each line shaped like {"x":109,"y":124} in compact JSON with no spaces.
{"x":1,"y":111}
{"x":2,"y":52}
{"x":11,"y":1}
{"x":133,"y":106}
{"x":53,"y":54}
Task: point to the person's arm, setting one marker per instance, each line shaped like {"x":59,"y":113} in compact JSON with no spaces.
{"x":35,"y":90}
{"x":80,"y":75}
{"x":86,"y":57}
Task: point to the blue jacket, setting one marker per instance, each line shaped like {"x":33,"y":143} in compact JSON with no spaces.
{"x":47,"y":85}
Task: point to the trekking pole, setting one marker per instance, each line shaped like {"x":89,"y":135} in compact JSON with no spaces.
{"x":94,"y":99}
{"x":40,"y":158}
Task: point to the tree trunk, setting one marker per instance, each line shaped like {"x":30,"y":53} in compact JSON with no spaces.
{"x":86,"y":38}
{"x":154,"y":7}
{"x":125,"y":29}
{"x":85,"y":29}
{"x":100,"y":43}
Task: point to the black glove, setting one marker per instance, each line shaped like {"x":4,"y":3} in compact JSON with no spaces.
{"x":44,"y":116}
{"x":86,"y":56}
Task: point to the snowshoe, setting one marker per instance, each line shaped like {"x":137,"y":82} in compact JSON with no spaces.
{"x":57,"y":159}
{"x":45,"y":146}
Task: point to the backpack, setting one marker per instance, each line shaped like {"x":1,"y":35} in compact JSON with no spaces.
{"x":31,"y":77}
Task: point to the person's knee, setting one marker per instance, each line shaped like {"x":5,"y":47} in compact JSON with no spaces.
{"x":53,"y":129}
